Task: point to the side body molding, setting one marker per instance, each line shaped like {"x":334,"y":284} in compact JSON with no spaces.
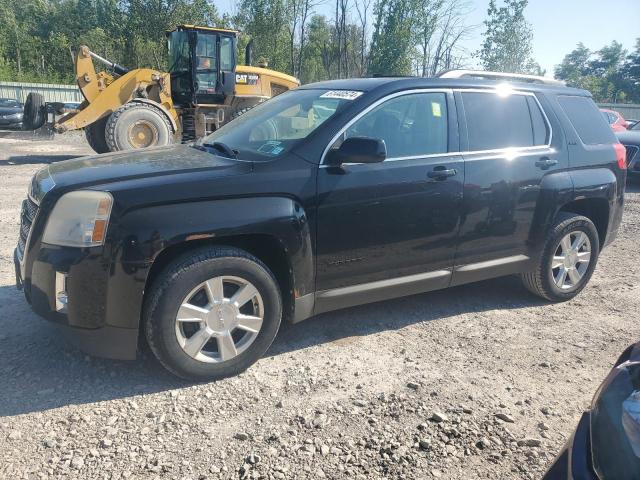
{"x":152,"y":230}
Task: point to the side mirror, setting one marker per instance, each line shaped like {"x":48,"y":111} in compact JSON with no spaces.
{"x":358,"y":150}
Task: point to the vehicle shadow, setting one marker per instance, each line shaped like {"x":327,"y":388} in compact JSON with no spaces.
{"x":33,"y":159}
{"x":39,"y":370}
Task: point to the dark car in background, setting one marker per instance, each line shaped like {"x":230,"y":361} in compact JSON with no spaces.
{"x":11,"y":112}
{"x":631,"y":141}
{"x":606,"y":443}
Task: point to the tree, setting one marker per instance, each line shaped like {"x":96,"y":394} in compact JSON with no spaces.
{"x":631,"y":73}
{"x":392,"y":41}
{"x":507,"y":44}
{"x":609,"y":73}
{"x":575,"y":65}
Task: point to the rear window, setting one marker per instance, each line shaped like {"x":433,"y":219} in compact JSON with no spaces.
{"x":497,"y":122}
{"x":587,"y":120}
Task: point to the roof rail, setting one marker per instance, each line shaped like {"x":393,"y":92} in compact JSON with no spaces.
{"x":519,"y":77}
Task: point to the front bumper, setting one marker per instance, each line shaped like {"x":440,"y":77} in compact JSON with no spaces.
{"x":11,"y":122}
{"x":80,"y":303}
{"x":574,"y":461}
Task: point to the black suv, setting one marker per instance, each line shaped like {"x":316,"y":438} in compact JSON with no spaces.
{"x":332,"y":195}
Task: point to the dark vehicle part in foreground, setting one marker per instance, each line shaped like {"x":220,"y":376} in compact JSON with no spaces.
{"x":331,"y":195}
{"x":606,"y":444}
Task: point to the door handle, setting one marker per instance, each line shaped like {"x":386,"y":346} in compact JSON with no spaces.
{"x":545,"y":163}
{"x":441,"y":172}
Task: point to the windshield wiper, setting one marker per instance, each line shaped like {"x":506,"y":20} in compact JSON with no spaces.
{"x":223,"y":148}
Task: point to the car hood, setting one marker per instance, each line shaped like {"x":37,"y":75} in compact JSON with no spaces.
{"x":115,"y":167}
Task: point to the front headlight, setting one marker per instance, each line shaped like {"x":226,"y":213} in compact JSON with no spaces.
{"x":79,"y":219}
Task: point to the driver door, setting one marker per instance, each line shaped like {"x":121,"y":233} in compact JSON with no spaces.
{"x":389,"y":229}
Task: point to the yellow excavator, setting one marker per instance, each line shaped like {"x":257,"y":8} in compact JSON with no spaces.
{"x":128,"y":109}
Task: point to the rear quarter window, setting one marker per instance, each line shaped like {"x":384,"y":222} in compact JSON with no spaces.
{"x":587,"y":120}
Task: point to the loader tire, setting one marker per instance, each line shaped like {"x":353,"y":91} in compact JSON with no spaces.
{"x":95,"y":134}
{"x":35,"y":114}
{"x":138,"y":125}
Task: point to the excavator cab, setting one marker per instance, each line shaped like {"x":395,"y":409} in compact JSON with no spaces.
{"x":202,"y":64}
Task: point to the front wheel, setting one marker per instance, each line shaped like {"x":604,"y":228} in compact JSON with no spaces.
{"x":568,"y":260}
{"x":212,"y":313}
{"x":137,"y":125}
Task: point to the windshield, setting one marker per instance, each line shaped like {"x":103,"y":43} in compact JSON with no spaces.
{"x":276,"y":126}
{"x":179,"y":59}
{"x":7,"y":102}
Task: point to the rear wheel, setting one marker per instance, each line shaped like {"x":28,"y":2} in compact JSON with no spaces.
{"x":95,"y":134}
{"x":35,"y":114}
{"x":568,"y":259}
{"x":212,"y":313}
{"x":137,"y":125}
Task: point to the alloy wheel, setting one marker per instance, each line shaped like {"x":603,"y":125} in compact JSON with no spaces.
{"x":571,"y":260}
{"x":219,"y":319}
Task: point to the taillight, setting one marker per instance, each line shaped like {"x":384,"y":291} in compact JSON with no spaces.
{"x":621,"y":155}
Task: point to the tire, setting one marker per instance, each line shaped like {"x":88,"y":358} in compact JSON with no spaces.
{"x":34,"y":112}
{"x":543,"y":281}
{"x":137,"y":125}
{"x":95,"y":134}
{"x":179,"y":283}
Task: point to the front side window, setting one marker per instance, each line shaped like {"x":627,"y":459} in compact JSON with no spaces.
{"x":411,"y":125}
{"x":503,"y":121}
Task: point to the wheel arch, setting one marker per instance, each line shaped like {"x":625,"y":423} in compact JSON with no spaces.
{"x":146,"y":239}
{"x":267,"y":248}
{"x":160,"y":107}
{"x":595,"y":209}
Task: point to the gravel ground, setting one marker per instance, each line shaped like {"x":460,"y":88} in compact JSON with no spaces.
{"x":480,"y":381}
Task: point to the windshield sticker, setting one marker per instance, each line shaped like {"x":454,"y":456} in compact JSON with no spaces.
{"x":342,"y":94}
{"x":435,"y":109}
{"x":271,"y":147}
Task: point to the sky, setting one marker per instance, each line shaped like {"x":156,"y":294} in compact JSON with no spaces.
{"x":558,"y":25}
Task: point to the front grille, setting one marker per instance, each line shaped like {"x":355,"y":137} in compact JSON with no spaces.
{"x":27,"y":215}
{"x":632,"y":151}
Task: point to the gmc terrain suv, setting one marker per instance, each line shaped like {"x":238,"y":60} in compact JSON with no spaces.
{"x":332,"y":195}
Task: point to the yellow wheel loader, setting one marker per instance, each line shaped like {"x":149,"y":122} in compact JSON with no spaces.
{"x":128,"y":109}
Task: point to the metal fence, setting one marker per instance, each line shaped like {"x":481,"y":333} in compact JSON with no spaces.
{"x":50,"y":92}
{"x":627,"y":110}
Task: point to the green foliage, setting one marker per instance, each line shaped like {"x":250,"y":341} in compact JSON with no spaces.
{"x":610,"y":74}
{"x":392,"y":41}
{"x":37,"y":36}
{"x":508,"y":37}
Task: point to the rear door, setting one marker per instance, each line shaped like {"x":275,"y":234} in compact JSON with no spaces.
{"x":507,"y":141}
